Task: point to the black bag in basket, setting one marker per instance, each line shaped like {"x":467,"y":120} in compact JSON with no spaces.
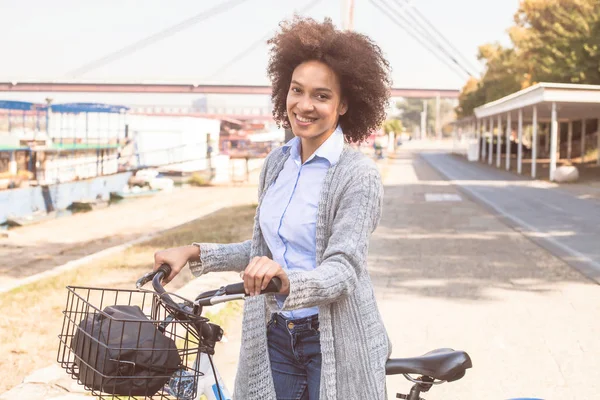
{"x":111,"y":358}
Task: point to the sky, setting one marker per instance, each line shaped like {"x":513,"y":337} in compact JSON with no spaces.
{"x":45,"y":40}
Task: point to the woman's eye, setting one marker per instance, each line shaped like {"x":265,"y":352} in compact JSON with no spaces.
{"x":322,"y":97}
{"x":296,"y":90}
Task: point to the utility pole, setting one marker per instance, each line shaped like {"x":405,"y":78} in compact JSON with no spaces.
{"x":424,"y":120}
{"x":438,"y":129}
{"x":348,"y":14}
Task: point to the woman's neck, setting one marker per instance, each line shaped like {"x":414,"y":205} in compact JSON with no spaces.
{"x":309,"y":145}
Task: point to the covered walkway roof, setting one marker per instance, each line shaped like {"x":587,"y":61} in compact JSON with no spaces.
{"x":573,"y":102}
{"x":543,"y":102}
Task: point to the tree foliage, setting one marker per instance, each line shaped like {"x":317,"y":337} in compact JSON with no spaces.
{"x":410,"y":112}
{"x":392,"y":125}
{"x":552,"y":41}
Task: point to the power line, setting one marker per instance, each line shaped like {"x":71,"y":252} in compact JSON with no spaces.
{"x":418,"y":26}
{"x":253,"y":46}
{"x":426,"y":33}
{"x":147,"y":41}
{"x":413,"y":8}
{"x":418,"y":39}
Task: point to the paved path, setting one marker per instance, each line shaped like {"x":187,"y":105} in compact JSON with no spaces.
{"x":451,"y":274}
{"x":559,"y":220}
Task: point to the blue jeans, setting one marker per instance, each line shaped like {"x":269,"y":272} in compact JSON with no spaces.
{"x":295,"y":353}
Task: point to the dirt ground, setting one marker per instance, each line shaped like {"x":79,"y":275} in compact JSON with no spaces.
{"x":37,"y":248}
{"x":31,"y":316}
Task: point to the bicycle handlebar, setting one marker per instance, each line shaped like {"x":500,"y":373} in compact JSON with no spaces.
{"x":233,"y":291}
{"x":162,"y":272}
{"x":274,"y":286}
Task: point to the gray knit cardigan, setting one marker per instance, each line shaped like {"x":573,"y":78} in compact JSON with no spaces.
{"x":354,"y":342}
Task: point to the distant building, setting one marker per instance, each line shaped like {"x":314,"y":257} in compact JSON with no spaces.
{"x":200,"y":105}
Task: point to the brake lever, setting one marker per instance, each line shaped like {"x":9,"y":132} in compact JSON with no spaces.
{"x":145,"y":279}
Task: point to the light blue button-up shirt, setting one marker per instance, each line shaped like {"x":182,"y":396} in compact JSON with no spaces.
{"x":288,"y":212}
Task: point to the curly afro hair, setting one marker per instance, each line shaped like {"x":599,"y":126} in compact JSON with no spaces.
{"x":363,"y":72}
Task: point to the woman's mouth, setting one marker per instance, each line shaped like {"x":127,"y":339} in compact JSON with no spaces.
{"x":304,"y":121}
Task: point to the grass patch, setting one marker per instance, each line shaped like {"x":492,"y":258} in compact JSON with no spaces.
{"x":31,"y":316}
{"x":226,"y":314}
{"x":198,"y":180}
{"x":591,"y":155}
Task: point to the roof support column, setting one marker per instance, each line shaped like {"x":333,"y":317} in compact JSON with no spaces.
{"x":499,"y":143}
{"x":86,"y":129}
{"x":520,"y":142}
{"x":12,"y":164}
{"x":570,"y":140}
{"x":582,"y":155}
{"x":547,"y":141}
{"x":491,"y":144}
{"x":553,"y":142}
{"x":508,"y":132}
{"x":61,"y":128}
{"x":483,"y":143}
{"x":534,"y":141}
{"x":478,"y":134}
{"x":598,"y":142}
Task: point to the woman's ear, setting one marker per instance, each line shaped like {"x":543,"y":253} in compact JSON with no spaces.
{"x":343,"y":107}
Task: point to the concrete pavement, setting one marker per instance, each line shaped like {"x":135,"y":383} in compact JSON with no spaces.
{"x":448,"y":273}
{"x":562,"y":222}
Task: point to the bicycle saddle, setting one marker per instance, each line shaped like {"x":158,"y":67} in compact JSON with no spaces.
{"x":443,"y":364}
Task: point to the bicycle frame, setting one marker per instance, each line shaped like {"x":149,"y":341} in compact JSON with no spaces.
{"x":210,"y":383}
{"x":207,"y":384}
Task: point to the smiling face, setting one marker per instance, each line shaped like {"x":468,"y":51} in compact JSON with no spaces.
{"x":314,"y":102}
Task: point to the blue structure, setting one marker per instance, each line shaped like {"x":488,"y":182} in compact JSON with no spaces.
{"x":103,"y":111}
{"x":77,"y":108}
{"x":25,"y":108}
{"x":82,"y":135}
{"x":11,"y":109}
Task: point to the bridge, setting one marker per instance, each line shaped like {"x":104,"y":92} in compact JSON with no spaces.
{"x":185,"y":88}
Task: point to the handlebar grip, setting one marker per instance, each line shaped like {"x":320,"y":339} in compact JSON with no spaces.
{"x":165,"y":269}
{"x":274,"y":286}
{"x":163,"y":272}
{"x":235,"y":288}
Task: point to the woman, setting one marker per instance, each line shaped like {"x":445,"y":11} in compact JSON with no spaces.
{"x":319,"y":201}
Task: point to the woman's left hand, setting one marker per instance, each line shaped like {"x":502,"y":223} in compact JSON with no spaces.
{"x":259,"y":273}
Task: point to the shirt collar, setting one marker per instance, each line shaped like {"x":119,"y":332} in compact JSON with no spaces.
{"x":330,"y":150}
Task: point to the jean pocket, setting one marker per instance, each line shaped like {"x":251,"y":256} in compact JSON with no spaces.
{"x":314,"y":330}
{"x":270,"y":324}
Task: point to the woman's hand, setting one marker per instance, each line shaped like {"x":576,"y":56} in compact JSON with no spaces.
{"x":176,"y":258}
{"x":259,"y":273}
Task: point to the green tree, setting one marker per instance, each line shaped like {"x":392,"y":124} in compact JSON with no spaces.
{"x":410,"y":112}
{"x":504,"y":74}
{"x":559,"y":39}
{"x":393,"y":125}
{"x":553,"y":41}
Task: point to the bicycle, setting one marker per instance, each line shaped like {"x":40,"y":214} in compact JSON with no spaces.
{"x":196,"y":337}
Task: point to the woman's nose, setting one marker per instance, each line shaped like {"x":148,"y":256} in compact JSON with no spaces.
{"x":305,"y":104}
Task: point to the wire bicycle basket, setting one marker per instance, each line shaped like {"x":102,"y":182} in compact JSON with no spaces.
{"x":129,"y":343}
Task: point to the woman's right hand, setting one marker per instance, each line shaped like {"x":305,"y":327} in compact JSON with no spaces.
{"x":176,"y":258}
